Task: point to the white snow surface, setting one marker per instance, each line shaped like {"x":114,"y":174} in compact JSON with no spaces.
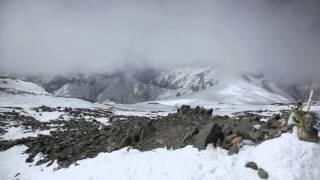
{"x":19,"y":132}
{"x":22,"y":86}
{"x":284,"y":158}
{"x":237,"y":92}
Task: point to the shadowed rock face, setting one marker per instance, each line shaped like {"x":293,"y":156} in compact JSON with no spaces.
{"x":79,"y":138}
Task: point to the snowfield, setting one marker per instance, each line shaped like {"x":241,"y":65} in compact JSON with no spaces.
{"x":19,"y":85}
{"x":285,"y":157}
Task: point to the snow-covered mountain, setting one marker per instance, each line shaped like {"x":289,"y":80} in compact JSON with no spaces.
{"x":25,"y":99}
{"x":12,"y":86}
{"x":151,"y":84}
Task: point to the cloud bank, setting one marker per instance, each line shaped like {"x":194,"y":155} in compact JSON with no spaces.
{"x":277,"y":37}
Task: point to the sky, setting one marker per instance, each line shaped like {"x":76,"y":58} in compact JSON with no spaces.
{"x":276,"y":37}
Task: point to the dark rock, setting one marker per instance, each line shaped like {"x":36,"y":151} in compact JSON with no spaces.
{"x":211,"y":133}
{"x":263,"y":174}
{"x":146,"y":130}
{"x":276,"y":117}
{"x":256,"y":136}
{"x":189,"y":134}
{"x":252,"y":165}
{"x":2,"y":131}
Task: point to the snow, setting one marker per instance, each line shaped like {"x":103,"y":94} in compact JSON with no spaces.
{"x":36,"y":96}
{"x":284,"y":158}
{"x":184,"y":79}
{"x":225,"y":108}
{"x":237,"y":92}
{"x":19,"y":132}
{"x":176,"y":102}
{"x":164,"y":107}
{"x":210,"y":83}
{"x":150,"y":109}
{"x":289,"y":158}
{"x":103,"y":120}
{"x":47,"y":116}
{"x":19,"y":85}
{"x":231,"y":90}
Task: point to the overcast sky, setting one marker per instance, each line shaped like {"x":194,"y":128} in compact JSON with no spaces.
{"x":279,"y":37}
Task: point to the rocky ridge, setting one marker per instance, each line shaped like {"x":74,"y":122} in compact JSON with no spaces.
{"x":79,"y":138}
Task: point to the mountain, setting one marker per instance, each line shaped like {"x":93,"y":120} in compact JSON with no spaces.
{"x":151,"y":84}
{"x":16,"y":86}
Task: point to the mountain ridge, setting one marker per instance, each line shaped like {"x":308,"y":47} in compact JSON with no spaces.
{"x":150,"y":84}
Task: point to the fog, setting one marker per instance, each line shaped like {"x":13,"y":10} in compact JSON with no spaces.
{"x":276,"y":37}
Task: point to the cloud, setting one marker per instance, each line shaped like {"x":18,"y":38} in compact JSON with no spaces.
{"x":274,"y":37}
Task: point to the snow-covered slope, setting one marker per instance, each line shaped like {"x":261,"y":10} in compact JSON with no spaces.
{"x":284,"y":158}
{"x":10,"y":85}
{"x":185,"y":81}
{"x":18,"y":93}
{"x":238,"y":92}
{"x":116,"y":87}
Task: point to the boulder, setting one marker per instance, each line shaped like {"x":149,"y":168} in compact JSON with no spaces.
{"x":252,"y":165}
{"x":211,"y":133}
{"x":236,"y":140}
{"x":263,"y":174}
{"x":230,"y":138}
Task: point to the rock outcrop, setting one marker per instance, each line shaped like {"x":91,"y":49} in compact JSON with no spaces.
{"x":79,"y":138}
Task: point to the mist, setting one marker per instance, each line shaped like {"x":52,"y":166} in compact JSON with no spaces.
{"x":279,"y":38}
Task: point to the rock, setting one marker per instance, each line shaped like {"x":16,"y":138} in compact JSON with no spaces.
{"x":211,"y":133}
{"x":276,"y":117}
{"x":234,"y":149}
{"x":146,"y":130}
{"x":160,"y":141}
{"x":197,"y":111}
{"x":252,"y":165}
{"x":263,"y":174}
{"x":274,"y":134}
{"x":2,"y":131}
{"x":274,"y":123}
{"x":230,"y":138}
{"x":192,"y":132}
{"x":283,"y":123}
{"x":185,"y":109}
{"x":256,"y":136}
{"x":236,"y":140}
